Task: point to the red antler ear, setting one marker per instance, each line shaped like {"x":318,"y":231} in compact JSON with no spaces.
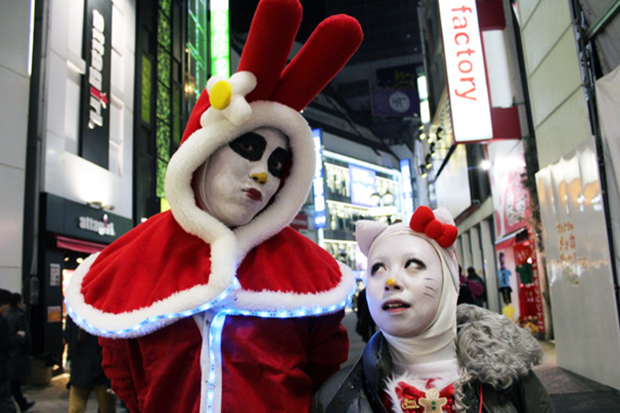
{"x":327,"y":50}
{"x":269,"y":43}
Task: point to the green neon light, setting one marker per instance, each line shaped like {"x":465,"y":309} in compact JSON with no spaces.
{"x":220,"y":39}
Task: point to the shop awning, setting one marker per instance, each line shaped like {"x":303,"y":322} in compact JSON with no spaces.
{"x":511,"y":239}
{"x":78,"y":245}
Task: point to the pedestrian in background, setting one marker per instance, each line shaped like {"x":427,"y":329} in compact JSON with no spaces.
{"x":84,"y":355}
{"x":19,"y":365}
{"x":365,"y":326}
{"x":6,"y":345}
{"x":465,"y":294}
{"x":477,"y":287}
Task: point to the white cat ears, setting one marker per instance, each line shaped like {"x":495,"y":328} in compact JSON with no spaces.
{"x":437,"y":225}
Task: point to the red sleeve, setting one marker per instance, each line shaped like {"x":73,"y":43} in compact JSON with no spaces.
{"x":329,"y":347}
{"x":116,"y":366}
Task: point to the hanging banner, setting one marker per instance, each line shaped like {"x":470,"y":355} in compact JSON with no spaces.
{"x":530,"y":299}
{"x":511,"y":200}
{"x":94,"y":105}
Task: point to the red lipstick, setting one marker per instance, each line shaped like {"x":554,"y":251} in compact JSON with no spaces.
{"x":254,"y":194}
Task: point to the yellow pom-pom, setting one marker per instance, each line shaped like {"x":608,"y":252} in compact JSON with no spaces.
{"x":220,"y":95}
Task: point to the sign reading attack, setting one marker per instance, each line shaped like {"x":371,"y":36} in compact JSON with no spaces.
{"x":94,"y":105}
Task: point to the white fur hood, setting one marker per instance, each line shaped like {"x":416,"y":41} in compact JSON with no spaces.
{"x":493,"y":349}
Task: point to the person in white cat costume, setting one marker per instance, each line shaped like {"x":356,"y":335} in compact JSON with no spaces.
{"x":429,"y":355}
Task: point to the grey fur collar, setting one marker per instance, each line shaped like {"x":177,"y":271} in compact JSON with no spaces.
{"x":492,"y":349}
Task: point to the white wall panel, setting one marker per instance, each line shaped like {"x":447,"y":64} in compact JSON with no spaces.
{"x":11,"y":217}
{"x":564,"y":131}
{"x":10,"y":278}
{"x":14,"y":36}
{"x":546,"y":26}
{"x":13,"y":118}
{"x":476,"y":250}
{"x":58,"y":36}
{"x":76,"y":17}
{"x":467,"y":260}
{"x":556,"y":79}
{"x":526,"y":8}
{"x":55,"y":94}
{"x":14,"y":84}
{"x":490,"y":267}
{"x":72,"y":111}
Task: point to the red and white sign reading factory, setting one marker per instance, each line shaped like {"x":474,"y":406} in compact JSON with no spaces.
{"x":465,"y":68}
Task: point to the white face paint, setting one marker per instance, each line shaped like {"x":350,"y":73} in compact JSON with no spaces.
{"x":241,"y":177}
{"x":405,"y":306}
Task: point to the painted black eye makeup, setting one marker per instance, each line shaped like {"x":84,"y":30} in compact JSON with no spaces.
{"x":278,"y":162}
{"x":250,"y":146}
{"x":376,"y":267}
{"x":419,"y":264}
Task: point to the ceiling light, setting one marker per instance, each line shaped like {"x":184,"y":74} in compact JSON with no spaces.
{"x":99,"y":205}
{"x":485,"y":164}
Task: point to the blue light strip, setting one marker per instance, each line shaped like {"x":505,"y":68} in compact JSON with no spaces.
{"x":234,"y":286}
{"x":217,"y":326}
{"x":320,"y":219}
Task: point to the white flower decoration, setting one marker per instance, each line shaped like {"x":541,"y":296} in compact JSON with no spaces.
{"x":227,"y":98}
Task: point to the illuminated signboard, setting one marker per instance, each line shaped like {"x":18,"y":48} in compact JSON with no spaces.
{"x":220,"y":38}
{"x":319,"y":194}
{"x":95,"y":116}
{"x":405,"y":170}
{"x":465,"y":68}
{"x":363,"y":185}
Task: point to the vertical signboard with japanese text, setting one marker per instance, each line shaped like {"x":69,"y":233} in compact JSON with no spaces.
{"x":94,"y":105}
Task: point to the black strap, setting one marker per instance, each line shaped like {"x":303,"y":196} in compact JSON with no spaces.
{"x":375,"y":402}
{"x":348,"y":390}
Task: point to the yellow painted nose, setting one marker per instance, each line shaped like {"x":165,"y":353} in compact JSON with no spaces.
{"x":261,"y":177}
{"x":390,"y":282}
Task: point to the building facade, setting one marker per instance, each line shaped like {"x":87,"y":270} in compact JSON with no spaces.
{"x":522,"y":166}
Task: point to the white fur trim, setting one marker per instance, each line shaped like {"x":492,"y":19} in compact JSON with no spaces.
{"x":161,"y":313}
{"x":205,"y":141}
{"x":182,"y":304}
{"x":274,"y":301}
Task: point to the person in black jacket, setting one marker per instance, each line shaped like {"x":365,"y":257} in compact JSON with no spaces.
{"x":365,"y":325}
{"x":6,"y":345}
{"x":84,"y":355}
{"x":429,"y":355}
{"x":19,"y":365}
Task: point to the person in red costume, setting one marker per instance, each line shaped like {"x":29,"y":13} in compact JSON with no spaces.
{"x":217,"y":305}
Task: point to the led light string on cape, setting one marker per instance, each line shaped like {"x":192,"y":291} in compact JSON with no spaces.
{"x":233,"y":287}
{"x":217,"y":326}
